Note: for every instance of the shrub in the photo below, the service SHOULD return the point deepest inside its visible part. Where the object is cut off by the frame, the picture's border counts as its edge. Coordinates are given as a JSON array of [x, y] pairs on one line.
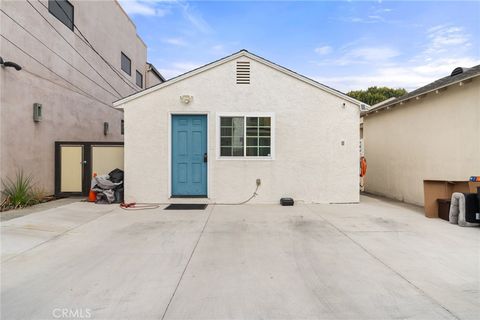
[[19, 192]]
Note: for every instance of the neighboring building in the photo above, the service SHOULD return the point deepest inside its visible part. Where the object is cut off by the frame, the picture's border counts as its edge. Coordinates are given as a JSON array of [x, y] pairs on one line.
[[212, 132], [364, 111], [77, 57], [432, 133], [153, 76]]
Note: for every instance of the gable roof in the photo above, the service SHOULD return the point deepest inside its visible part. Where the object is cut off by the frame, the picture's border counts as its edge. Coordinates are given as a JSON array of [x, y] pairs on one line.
[[468, 73], [236, 55]]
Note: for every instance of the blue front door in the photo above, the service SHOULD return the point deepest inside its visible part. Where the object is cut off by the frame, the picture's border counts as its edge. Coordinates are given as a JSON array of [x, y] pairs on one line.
[[189, 155]]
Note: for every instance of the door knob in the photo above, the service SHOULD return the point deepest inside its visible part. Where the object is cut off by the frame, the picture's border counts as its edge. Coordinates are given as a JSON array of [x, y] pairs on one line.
[[205, 157]]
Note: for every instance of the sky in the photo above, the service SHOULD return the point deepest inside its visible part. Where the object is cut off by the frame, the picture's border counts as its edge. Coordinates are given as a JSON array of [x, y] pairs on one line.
[[348, 45]]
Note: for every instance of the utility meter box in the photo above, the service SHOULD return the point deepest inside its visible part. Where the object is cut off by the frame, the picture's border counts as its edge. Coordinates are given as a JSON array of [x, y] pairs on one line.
[[37, 112]]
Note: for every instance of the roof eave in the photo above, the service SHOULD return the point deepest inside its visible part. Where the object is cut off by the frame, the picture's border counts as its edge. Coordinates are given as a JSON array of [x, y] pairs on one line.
[[399, 100], [119, 103], [176, 79], [306, 79]]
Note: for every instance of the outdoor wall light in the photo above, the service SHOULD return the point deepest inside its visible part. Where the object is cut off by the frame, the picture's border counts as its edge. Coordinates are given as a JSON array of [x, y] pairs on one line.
[[105, 128], [186, 99], [37, 112], [6, 64]]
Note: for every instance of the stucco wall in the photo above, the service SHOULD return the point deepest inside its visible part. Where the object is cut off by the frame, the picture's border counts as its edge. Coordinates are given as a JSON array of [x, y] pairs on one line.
[[436, 137], [310, 163], [67, 113], [151, 78]]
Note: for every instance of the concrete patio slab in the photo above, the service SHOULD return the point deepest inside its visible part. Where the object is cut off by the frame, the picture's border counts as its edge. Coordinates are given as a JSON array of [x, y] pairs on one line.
[[28, 231], [436, 257], [12, 214], [376, 259]]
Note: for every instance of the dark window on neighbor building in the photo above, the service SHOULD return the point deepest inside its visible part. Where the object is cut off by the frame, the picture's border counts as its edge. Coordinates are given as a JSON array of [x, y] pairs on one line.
[[126, 64], [139, 79], [122, 126], [63, 11]]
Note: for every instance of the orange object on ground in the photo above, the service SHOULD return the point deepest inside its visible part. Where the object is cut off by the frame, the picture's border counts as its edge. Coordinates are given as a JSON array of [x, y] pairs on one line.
[[363, 167], [92, 195]]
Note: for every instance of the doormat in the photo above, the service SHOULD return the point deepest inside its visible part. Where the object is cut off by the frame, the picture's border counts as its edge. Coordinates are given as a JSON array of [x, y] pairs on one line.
[[187, 206]]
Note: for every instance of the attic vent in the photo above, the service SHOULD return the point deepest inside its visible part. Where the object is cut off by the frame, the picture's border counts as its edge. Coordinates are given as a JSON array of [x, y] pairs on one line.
[[456, 71], [243, 72]]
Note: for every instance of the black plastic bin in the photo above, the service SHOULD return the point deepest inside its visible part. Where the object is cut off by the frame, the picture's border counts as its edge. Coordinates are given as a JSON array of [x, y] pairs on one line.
[[444, 208]]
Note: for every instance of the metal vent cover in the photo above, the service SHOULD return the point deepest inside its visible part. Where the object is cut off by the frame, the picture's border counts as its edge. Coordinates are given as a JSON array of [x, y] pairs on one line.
[[243, 72], [457, 71]]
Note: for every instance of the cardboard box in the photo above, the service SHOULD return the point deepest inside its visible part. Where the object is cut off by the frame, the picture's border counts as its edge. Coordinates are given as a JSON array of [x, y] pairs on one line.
[[442, 189], [473, 186]]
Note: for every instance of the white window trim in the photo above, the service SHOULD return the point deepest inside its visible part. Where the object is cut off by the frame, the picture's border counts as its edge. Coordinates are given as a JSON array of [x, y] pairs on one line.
[[244, 115]]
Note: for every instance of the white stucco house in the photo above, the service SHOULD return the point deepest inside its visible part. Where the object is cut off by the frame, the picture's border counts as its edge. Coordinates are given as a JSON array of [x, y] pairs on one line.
[[212, 132]]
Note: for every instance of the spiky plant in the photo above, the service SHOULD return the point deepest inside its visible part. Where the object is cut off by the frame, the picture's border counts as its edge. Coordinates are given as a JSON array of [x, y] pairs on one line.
[[18, 192]]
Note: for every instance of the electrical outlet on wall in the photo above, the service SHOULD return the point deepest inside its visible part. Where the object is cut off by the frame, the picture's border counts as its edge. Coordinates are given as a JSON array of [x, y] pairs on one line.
[[259, 182]]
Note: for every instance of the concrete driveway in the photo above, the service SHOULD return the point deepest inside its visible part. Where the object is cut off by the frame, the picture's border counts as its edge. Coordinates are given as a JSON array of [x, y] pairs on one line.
[[374, 260]]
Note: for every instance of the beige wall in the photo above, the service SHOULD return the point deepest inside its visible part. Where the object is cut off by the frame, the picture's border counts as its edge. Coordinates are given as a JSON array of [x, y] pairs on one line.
[[437, 137], [152, 78], [310, 163], [68, 114]]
